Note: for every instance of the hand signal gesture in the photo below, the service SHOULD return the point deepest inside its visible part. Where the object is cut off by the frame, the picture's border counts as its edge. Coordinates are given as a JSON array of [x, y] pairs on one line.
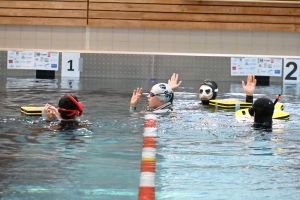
[[173, 81], [51, 112], [136, 96], [250, 87]]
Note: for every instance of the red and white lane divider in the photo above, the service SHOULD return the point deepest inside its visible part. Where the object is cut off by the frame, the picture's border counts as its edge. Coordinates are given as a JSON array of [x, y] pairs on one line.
[[147, 177]]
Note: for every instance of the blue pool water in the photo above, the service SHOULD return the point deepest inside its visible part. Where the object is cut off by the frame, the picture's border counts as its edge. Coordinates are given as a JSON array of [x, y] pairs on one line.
[[202, 153]]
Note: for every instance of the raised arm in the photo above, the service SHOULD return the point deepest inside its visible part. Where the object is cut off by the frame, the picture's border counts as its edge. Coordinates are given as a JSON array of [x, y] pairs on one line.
[[173, 82], [249, 87], [51, 112], [136, 96]]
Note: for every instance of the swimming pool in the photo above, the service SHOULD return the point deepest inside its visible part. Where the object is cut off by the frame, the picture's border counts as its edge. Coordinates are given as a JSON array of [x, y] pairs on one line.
[[202, 153]]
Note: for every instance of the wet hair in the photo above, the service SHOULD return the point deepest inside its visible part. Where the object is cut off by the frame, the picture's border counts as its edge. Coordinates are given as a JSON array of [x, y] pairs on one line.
[[66, 103], [214, 87], [263, 109]]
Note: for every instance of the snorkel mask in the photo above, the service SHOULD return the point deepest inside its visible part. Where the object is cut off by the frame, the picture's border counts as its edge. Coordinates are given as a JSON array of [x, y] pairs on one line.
[[78, 111], [208, 90]]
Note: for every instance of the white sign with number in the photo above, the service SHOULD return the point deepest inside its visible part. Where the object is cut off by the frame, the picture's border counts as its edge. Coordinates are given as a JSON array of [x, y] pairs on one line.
[[291, 73], [70, 64]]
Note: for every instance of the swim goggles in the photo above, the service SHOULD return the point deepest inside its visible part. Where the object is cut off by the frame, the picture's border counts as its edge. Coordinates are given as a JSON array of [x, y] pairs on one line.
[[151, 94]]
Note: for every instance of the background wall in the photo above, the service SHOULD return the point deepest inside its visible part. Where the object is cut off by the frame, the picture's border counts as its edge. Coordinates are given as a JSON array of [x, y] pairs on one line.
[[149, 40]]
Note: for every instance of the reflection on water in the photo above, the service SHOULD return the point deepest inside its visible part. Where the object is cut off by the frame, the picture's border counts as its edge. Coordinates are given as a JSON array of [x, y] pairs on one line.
[[201, 152]]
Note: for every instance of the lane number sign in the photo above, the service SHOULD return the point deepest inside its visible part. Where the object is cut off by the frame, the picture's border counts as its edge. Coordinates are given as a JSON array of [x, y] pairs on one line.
[[70, 64], [291, 70]]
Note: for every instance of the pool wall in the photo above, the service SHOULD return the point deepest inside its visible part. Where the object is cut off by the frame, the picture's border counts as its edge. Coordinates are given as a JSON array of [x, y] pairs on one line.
[[147, 41], [146, 66]]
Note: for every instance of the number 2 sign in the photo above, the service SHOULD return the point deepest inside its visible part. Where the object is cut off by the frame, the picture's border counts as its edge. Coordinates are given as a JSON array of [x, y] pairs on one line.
[[70, 64], [291, 71]]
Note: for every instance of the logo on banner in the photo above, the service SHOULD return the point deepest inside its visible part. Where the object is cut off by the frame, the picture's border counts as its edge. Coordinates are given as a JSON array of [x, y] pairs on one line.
[[53, 65]]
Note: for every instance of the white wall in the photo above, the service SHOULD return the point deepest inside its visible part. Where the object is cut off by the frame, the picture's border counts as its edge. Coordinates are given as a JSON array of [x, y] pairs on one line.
[[149, 40]]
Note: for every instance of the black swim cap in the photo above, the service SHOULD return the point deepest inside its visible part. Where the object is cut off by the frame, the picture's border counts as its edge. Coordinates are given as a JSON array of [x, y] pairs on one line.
[[263, 112]]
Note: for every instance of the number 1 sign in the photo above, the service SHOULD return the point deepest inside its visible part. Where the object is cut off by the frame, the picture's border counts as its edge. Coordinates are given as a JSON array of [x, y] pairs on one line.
[[70, 64], [291, 73]]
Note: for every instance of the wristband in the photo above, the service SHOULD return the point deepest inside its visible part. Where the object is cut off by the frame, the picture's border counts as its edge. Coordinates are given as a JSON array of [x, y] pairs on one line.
[[132, 108]]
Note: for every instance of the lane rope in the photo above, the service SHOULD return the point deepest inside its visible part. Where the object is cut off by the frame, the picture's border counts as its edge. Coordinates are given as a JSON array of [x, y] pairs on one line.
[[148, 161]]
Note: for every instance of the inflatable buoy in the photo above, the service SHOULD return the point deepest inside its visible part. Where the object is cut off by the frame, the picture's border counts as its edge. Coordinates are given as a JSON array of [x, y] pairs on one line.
[[32, 111]]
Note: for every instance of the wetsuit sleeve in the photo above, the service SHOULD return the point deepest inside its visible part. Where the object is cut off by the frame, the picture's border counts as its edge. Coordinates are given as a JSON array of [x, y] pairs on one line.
[[249, 99], [132, 109]]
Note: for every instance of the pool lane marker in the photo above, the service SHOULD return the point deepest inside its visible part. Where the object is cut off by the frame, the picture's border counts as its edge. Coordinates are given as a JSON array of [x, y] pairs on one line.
[[148, 163]]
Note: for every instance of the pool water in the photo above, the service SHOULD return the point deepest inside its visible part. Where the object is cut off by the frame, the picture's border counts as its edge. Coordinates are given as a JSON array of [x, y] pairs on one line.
[[202, 153]]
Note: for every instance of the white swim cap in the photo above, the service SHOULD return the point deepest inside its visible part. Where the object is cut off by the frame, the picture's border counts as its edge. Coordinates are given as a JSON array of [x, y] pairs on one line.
[[163, 91]]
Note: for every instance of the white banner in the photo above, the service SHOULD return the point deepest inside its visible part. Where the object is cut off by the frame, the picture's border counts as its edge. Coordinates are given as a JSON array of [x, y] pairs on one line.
[[34, 60], [260, 66]]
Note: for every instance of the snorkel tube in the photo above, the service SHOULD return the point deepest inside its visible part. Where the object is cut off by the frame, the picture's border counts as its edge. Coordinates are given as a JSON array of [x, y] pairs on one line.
[[277, 99]]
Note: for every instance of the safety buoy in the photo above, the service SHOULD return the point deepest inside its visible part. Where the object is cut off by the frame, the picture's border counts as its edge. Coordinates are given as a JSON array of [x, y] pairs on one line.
[[243, 114]]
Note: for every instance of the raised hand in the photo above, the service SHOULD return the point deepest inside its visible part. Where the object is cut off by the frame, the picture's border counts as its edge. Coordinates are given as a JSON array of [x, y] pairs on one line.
[[51, 112], [173, 81], [250, 87], [136, 96]]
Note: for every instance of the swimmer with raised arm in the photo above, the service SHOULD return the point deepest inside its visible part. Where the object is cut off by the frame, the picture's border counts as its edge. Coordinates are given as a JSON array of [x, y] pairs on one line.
[[262, 109], [160, 98], [69, 108]]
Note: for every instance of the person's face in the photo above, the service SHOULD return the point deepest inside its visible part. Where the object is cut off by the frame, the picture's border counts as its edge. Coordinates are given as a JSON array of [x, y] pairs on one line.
[[205, 92], [154, 101]]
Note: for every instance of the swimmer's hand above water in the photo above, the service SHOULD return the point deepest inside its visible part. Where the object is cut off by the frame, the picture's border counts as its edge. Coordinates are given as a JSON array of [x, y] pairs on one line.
[[173, 82], [136, 96], [51, 112], [250, 86]]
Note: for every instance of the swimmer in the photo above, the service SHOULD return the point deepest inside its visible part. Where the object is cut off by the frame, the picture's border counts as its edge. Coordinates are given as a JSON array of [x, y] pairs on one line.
[[208, 89], [262, 109], [160, 98], [69, 108]]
